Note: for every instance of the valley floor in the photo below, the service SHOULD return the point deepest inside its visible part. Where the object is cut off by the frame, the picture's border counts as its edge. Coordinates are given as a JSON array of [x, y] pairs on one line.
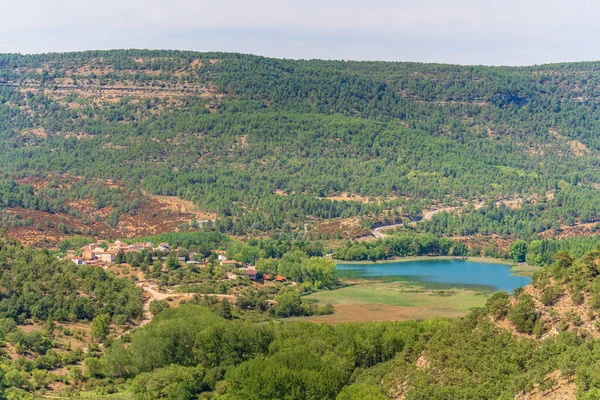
[[394, 301]]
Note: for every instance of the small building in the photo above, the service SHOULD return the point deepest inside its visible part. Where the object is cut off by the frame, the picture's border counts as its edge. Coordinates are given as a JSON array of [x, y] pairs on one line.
[[221, 257], [77, 260], [113, 247], [232, 277], [87, 254], [106, 256], [267, 277], [230, 263], [251, 274], [164, 247], [280, 278], [96, 250]]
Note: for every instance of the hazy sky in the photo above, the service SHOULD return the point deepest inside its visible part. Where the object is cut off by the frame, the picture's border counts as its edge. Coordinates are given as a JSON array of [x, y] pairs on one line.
[[513, 32]]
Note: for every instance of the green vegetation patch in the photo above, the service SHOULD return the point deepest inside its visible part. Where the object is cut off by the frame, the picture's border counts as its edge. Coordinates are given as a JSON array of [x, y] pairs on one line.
[[401, 294]]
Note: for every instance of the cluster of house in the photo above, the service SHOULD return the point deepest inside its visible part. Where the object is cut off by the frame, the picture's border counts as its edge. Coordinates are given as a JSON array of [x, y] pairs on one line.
[[101, 254], [97, 254], [249, 270]]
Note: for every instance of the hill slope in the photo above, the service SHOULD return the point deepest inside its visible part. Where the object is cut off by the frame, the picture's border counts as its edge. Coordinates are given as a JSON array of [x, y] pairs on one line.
[[265, 143]]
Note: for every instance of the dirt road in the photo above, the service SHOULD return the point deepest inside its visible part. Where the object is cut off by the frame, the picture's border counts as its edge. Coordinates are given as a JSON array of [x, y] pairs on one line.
[[152, 290], [428, 215], [154, 294], [379, 232]]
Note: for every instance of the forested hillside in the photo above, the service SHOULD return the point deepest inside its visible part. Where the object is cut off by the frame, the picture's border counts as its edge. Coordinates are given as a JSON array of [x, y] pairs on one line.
[[269, 145], [275, 163]]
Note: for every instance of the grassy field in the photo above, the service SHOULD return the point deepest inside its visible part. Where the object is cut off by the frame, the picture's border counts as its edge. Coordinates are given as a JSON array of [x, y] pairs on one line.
[[525, 270], [401, 294], [395, 301]]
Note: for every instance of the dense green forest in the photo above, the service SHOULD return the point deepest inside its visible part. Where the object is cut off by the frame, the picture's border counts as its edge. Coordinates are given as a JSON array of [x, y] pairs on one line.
[[38, 286], [262, 141]]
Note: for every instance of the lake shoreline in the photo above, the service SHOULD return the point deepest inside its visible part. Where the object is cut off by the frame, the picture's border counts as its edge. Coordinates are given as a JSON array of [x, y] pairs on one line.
[[488, 260], [516, 269]]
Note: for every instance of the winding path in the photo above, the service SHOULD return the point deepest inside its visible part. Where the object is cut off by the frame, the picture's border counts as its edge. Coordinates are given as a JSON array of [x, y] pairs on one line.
[[379, 231], [427, 216], [154, 294]]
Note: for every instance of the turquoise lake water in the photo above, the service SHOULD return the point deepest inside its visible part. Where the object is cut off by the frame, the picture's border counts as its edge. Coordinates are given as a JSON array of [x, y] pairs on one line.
[[440, 274]]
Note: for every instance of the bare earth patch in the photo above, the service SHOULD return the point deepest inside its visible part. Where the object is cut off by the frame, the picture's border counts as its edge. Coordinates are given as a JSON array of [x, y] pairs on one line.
[[557, 314], [344, 227], [177, 204], [360, 199], [564, 389], [39, 132], [578, 148]]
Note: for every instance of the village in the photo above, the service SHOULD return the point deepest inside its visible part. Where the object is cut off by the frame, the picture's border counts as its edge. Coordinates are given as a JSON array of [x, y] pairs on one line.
[[105, 254]]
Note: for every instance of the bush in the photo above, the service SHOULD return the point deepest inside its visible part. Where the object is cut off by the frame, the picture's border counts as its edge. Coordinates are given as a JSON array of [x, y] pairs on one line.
[[156, 306], [550, 295], [172, 382], [361, 391], [523, 314], [577, 298], [497, 305]]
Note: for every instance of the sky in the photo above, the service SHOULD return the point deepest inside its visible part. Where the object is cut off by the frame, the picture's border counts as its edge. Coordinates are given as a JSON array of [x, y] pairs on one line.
[[505, 32]]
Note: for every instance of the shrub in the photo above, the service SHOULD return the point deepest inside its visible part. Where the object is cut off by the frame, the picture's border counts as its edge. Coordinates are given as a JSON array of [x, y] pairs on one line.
[[497, 305], [550, 295], [523, 314]]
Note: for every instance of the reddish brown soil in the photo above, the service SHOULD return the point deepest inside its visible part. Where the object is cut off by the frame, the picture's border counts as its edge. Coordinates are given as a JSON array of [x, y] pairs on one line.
[[154, 216], [348, 228], [580, 229]]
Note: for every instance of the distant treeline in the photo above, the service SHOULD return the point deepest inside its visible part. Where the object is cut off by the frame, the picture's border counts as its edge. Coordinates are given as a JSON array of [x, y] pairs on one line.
[[535, 252], [401, 246]]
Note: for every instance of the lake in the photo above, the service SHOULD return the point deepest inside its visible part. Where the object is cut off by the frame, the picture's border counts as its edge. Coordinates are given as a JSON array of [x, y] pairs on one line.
[[439, 274]]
